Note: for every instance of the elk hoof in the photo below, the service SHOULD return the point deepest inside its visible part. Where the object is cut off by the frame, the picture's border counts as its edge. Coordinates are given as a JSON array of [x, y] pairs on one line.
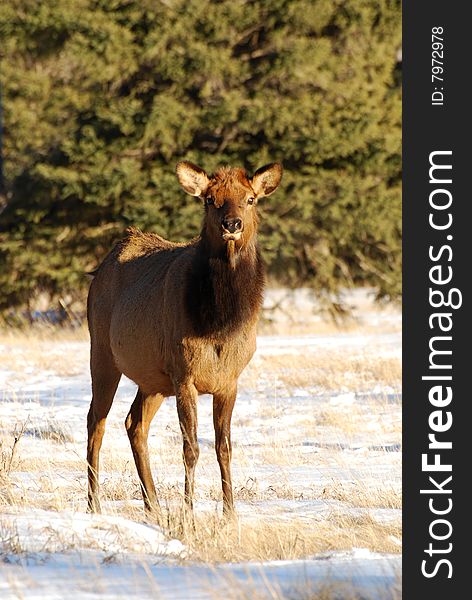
[[93, 506]]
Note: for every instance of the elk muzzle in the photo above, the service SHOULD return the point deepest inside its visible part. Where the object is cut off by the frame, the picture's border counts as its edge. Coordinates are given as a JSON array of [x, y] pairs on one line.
[[232, 228]]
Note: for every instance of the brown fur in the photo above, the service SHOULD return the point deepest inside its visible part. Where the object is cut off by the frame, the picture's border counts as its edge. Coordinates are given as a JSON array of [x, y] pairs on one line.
[[179, 319]]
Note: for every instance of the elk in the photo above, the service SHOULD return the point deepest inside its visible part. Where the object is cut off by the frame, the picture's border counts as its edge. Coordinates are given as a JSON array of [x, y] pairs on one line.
[[179, 319]]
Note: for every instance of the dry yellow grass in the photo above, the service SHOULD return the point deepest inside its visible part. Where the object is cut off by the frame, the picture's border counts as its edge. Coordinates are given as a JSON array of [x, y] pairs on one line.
[[210, 538], [28, 356], [45, 468], [329, 370], [359, 495], [213, 539], [32, 336]]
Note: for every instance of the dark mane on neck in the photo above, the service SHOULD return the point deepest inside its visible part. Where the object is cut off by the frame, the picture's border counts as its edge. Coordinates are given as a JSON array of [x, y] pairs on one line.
[[220, 300]]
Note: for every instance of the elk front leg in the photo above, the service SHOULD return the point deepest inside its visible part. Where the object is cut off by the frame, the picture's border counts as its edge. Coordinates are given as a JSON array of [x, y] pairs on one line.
[[187, 397], [137, 424], [223, 404]]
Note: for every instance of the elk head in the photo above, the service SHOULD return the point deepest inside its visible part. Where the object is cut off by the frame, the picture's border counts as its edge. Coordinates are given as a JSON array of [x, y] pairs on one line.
[[230, 198]]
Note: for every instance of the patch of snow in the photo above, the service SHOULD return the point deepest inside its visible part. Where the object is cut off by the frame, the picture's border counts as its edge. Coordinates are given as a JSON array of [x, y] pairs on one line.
[[343, 399], [37, 530], [73, 555], [371, 576], [388, 344]]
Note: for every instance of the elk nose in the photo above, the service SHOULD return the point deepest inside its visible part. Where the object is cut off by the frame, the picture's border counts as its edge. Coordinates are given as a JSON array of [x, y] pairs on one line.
[[232, 224]]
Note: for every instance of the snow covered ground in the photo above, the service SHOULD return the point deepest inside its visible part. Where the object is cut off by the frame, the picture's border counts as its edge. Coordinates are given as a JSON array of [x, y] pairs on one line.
[[316, 472]]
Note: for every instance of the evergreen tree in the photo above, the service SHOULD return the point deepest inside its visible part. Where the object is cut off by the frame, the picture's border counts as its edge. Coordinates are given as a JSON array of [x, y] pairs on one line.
[[102, 97]]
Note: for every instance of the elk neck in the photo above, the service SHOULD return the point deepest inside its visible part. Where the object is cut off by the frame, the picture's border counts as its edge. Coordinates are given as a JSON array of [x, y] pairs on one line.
[[221, 299]]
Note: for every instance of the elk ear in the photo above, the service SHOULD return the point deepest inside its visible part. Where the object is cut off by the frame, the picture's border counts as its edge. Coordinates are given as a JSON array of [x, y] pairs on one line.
[[266, 179], [193, 179]]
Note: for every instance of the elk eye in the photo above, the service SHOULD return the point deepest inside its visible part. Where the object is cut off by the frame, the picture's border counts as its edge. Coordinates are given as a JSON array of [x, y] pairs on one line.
[[209, 200], [250, 200]]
